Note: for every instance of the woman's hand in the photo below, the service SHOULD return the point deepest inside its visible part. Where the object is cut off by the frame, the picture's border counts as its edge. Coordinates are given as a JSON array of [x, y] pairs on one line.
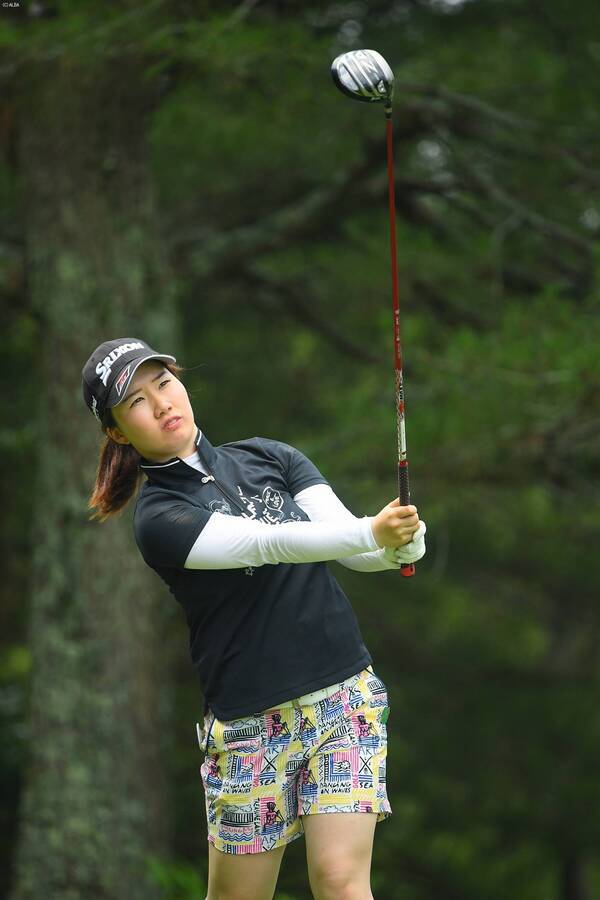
[[395, 525]]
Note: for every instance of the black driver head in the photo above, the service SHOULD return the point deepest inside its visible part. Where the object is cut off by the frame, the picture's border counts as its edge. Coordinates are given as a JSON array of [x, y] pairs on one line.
[[364, 75]]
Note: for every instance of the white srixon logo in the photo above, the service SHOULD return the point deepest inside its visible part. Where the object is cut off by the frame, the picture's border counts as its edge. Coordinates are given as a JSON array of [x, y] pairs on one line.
[[103, 368]]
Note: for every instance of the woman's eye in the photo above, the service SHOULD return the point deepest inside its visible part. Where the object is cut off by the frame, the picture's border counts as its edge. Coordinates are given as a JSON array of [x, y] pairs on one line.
[[135, 401], [166, 381]]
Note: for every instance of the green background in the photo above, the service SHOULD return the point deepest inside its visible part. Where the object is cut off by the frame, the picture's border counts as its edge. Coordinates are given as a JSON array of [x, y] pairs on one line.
[[269, 210]]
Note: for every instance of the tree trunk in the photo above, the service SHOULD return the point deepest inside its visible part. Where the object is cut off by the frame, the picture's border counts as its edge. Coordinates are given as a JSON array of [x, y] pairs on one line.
[[94, 799], [573, 882]]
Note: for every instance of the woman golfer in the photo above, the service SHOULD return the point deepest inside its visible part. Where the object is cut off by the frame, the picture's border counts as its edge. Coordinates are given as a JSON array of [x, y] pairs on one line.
[[293, 735]]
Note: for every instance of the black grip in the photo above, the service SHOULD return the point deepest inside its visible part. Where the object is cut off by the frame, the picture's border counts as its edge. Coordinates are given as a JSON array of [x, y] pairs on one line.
[[403, 486], [406, 569]]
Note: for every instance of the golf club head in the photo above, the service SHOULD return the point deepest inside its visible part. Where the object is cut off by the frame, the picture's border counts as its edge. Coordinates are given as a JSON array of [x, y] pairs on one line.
[[364, 75]]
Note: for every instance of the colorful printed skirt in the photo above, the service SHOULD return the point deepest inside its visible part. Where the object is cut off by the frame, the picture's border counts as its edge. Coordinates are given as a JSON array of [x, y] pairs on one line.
[[261, 773]]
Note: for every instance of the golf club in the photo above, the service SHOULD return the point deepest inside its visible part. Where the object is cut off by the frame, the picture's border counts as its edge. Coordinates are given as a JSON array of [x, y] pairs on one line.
[[365, 75]]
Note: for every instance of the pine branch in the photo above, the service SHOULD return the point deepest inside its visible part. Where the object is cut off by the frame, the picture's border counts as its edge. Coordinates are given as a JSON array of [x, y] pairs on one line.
[[474, 175], [272, 296]]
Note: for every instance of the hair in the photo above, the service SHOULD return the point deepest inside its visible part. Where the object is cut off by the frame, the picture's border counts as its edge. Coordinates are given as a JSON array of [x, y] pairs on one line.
[[119, 473]]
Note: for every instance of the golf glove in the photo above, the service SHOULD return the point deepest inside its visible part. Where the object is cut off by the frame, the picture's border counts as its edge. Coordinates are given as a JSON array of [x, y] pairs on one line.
[[410, 552]]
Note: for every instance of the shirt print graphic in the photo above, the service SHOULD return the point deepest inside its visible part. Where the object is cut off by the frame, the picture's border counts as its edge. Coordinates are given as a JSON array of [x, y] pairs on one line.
[[267, 507], [221, 506]]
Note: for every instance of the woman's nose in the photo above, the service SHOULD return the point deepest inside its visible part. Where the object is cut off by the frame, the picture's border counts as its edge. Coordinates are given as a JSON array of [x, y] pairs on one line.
[[161, 404]]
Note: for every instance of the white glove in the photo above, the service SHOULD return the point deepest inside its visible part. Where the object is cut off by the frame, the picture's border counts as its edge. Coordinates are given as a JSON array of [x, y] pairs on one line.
[[410, 552]]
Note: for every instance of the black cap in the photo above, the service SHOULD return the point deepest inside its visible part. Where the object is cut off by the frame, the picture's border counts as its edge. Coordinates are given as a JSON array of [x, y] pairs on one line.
[[109, 370]]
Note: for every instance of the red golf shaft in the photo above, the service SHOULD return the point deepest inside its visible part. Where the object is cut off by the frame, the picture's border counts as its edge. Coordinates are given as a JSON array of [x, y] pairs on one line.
[[407, 569]]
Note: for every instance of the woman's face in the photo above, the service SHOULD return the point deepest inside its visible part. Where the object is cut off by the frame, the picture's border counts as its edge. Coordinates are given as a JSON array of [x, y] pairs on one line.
[[155, 416]]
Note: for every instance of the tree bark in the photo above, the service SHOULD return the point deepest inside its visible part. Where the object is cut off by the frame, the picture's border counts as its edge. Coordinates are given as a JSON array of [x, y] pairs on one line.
[[94, 803], [573, 882]]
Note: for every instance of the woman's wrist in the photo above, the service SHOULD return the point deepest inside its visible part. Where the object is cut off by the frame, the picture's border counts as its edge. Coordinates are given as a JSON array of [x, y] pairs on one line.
[[370, 533]]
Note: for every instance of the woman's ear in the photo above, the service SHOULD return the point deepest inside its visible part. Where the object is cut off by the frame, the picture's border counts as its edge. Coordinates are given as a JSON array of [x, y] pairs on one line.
[[117, 435]]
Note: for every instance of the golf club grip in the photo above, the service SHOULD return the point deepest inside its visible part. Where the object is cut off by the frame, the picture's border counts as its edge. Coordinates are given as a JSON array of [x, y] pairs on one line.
[[407, 570], [403, 487]]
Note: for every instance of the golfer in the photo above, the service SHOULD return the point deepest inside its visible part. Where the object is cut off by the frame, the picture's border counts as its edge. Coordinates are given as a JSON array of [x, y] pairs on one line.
[[293, 734]]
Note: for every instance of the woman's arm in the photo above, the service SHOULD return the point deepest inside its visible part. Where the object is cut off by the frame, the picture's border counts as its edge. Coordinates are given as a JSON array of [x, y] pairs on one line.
[[235, 542], [321, 504]]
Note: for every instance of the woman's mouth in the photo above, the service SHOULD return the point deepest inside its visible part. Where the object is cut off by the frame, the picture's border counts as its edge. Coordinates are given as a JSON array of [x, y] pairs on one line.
[[173, 423]]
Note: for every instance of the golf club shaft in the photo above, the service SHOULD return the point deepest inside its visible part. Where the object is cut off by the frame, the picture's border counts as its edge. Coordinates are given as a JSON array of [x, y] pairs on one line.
[[407, 569]]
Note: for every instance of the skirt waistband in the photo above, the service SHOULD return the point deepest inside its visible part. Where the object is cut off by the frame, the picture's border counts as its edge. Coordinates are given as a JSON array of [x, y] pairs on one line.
[[316, 696]]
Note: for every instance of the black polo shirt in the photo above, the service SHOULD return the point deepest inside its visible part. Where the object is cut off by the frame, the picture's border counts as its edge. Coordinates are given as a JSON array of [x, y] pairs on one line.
[[260, 635]]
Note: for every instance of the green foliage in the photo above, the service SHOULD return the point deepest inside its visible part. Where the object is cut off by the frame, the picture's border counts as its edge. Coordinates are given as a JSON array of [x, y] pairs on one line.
[[15, 663], [177, 880], [490, 653]]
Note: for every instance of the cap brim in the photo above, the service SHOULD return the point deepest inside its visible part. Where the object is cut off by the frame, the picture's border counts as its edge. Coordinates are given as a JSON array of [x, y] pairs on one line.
[[119, 389]]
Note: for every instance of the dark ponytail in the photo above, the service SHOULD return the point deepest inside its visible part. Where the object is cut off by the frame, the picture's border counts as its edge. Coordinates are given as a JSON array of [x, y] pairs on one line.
[[116, 479], [119, 473]]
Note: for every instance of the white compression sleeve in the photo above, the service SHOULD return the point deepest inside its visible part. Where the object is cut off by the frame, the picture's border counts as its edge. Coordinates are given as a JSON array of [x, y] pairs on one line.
[[321, 504], [234, 542]]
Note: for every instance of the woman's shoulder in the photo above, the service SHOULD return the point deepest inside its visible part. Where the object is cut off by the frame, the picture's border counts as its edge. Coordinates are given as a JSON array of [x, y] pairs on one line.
[[152, 496], [257, 445]]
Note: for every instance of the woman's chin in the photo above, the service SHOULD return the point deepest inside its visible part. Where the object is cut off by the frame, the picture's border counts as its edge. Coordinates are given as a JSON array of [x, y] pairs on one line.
[[180, 439]]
